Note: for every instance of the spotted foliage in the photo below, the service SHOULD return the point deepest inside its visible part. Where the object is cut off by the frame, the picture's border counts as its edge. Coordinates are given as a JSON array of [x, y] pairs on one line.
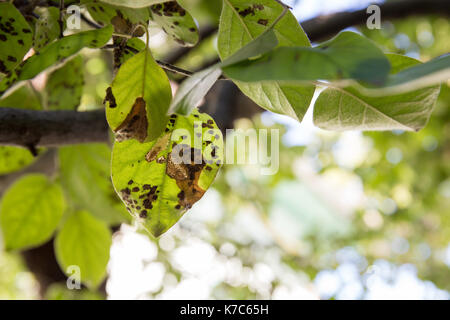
[[160, 180], [54, 54], [124, 20], [176, 22], [16, 37]]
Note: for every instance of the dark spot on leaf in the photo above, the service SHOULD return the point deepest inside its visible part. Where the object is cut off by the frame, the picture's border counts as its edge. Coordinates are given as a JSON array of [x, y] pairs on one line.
[[143, 214], [110, 98], [263, 22]]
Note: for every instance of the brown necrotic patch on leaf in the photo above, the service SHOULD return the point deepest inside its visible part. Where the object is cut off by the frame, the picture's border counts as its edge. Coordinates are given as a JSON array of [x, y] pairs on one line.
[[135, 124], [186, 175]]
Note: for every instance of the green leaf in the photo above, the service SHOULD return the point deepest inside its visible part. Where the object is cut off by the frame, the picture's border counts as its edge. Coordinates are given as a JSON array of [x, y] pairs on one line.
[[242, 21], [56, 53], [84, 241], [139, 99], [416, 77], [348, 109], [347, 56], [176, 22], [65, 86], [14, 158], [85, 176], [16, 37], [192, 90], [133, 3], [154, 183], [22, 98], [30, 211], [47, 27], [122, 18]]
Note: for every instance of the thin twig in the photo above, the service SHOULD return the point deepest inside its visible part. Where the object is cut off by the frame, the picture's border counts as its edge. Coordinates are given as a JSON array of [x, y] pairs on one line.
[[162, 64], [89, 22], [60, 21], [174, 69]]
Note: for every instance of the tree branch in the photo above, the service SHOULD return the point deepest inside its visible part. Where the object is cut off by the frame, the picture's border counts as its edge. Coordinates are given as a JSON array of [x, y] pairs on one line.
[[32, 128], [323, 27]]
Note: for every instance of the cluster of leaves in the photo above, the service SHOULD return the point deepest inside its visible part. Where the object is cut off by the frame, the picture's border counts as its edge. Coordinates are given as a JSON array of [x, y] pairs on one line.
[[263, 50]]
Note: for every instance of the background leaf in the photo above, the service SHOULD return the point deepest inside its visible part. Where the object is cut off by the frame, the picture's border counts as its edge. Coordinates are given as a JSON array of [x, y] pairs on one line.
[[16, 37], [176, 22], [242, 21], [157, 191], [123, 19], [47, 27], [55, 53], [84, 241], [347, 109], [23, 98], [30, 211], [85, 176], [14, 158], [347, 56], [127, 88], [65, 86]]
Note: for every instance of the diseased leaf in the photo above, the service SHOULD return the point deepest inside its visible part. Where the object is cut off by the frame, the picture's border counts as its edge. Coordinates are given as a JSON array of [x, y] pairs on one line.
[[176, 22], [348, 109], [47, 27], [65, 86], [160, 180], [56, 52], [140, 90], [84, 242], [124, 19], [133, 3], [242, 21], [347, 56], [16, 37], [14, 158], [192, 90], [23, 98], [85, 176], [30, 211]]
